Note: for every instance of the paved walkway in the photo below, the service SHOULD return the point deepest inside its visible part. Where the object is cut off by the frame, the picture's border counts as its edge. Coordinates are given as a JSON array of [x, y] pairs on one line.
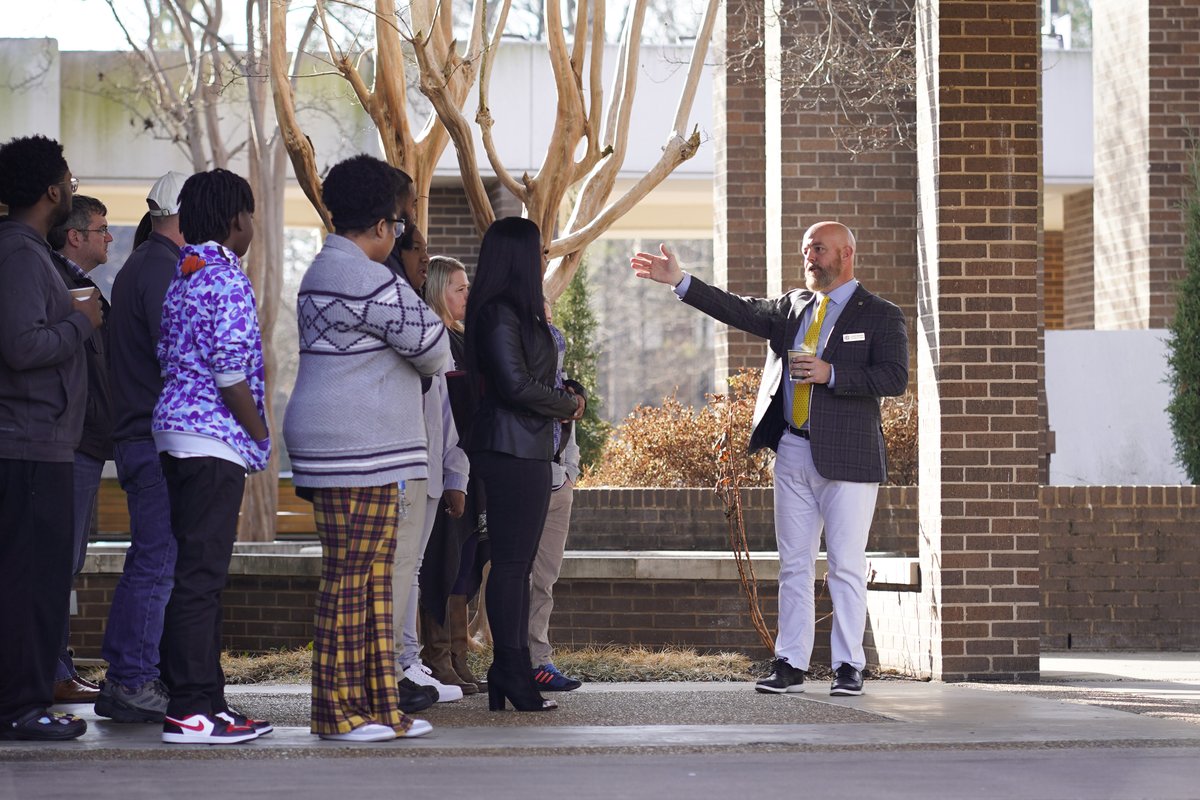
[[1128, 715]]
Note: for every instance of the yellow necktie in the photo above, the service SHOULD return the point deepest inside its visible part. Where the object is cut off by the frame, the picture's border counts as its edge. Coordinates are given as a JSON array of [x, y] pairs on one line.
[[803, 391]]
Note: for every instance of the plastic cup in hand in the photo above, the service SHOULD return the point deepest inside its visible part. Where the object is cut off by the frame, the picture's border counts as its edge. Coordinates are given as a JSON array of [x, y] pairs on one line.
[[794, 368]]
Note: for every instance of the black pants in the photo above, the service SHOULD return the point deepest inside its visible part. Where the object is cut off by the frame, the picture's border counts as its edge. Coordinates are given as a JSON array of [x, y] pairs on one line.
[[36, 524], [205, 495], [518, 495]]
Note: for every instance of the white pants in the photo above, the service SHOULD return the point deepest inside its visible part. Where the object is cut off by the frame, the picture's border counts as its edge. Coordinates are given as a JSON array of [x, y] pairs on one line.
[[409, 551], [804, 501]]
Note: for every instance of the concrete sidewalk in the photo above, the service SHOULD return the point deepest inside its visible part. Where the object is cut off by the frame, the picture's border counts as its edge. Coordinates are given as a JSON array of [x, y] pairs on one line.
[[1088, 700], [1098, 727]]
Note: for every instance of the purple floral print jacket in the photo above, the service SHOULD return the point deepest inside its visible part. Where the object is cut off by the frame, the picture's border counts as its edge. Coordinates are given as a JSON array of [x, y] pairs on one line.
[[209, 327]]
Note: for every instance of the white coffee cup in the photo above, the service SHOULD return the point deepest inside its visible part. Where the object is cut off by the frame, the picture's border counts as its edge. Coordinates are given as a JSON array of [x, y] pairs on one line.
[[82, 294]]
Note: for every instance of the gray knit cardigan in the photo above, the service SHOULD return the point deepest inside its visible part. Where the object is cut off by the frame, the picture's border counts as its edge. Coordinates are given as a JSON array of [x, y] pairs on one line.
[[366, 339]]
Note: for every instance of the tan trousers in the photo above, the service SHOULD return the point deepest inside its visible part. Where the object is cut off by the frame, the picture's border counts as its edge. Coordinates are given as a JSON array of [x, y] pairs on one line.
[[408, 554], [546, 567]]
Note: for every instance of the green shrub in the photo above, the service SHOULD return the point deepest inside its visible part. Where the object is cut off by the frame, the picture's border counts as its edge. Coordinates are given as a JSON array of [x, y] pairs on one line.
[[1183, 357]]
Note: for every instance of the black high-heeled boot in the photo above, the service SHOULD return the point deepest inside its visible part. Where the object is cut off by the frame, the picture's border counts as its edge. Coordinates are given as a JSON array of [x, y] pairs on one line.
[[509, 678]]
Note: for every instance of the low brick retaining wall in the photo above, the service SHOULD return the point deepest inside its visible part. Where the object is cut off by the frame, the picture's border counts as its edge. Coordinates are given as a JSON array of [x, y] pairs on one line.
[[691, 599], [1120, 569]]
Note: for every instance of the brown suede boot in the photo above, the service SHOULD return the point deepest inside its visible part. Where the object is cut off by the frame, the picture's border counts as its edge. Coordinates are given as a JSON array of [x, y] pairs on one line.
[[456, 623], [435, 652]]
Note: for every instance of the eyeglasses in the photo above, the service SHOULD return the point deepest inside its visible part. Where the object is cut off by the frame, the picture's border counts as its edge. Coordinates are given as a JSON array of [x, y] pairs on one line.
[[398, 227], [102, 229], [74, 184]]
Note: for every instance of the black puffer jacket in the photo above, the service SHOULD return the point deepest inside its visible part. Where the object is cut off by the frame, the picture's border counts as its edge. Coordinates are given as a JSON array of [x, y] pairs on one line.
[[519, 404]]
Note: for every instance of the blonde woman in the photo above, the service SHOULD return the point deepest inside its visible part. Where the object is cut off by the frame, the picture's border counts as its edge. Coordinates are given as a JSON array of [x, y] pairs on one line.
[[452, 570]]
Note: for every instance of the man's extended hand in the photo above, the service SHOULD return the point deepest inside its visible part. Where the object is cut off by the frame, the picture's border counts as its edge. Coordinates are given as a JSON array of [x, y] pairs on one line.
[[661, 269]]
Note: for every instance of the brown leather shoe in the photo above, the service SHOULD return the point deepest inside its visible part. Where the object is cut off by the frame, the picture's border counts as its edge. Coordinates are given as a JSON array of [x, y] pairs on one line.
[[75, 690]]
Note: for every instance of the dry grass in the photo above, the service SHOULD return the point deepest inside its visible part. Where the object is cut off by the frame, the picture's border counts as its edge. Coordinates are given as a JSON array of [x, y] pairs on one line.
[[611, 664], [599, 664], [280, 666], [602, 664]]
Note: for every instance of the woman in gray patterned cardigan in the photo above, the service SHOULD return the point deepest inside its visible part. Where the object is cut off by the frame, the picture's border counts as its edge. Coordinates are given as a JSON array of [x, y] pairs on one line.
[[354, 430]]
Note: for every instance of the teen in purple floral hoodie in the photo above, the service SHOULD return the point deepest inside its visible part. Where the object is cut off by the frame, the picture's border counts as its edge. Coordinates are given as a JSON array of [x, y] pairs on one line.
[[209, 429], [209, 339]]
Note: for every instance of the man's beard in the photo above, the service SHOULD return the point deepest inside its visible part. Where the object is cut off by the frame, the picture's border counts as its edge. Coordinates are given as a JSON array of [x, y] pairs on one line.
[[61, 211], [819, 282]]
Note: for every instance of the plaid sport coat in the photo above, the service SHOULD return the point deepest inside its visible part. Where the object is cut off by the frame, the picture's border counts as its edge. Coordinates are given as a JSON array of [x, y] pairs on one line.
[[845, 428]]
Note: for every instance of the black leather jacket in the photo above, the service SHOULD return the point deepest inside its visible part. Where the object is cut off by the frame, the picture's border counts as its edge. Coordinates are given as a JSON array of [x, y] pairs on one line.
[[519, 404]]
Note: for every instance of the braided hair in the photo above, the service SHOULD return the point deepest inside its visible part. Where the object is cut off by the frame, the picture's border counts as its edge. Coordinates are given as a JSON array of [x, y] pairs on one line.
[[209, 202]]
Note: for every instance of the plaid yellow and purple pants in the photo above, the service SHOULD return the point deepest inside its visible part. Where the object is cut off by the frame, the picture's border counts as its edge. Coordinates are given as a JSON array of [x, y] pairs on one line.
[[353, 668]]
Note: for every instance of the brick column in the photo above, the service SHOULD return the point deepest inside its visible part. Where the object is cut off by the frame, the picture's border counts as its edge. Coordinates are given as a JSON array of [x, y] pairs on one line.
[[814, 177], [1079, 262], [739, 182], [1147, 81], [978, 74]]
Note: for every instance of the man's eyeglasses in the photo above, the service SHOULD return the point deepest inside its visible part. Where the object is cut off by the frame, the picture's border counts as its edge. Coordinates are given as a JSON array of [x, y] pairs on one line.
[[74, 184], [398, 227], [103, 229]]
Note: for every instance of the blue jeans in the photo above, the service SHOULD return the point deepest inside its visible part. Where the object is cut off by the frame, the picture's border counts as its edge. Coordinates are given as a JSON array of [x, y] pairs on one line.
[[135, 619], [87, 482]]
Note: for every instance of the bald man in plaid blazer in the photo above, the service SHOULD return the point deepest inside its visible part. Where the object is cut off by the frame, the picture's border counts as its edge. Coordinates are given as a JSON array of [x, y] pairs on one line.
[[820, 414]]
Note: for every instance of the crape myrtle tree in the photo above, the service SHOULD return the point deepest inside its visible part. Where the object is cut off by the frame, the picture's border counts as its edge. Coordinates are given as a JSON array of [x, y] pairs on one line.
[[590, 133], [192, 81]]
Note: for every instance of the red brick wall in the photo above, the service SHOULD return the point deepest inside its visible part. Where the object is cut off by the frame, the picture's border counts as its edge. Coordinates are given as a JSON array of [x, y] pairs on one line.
[[1147, 81], [1079, 282], [873, 193], [1052, 280], [694, 519], [1120, 567]]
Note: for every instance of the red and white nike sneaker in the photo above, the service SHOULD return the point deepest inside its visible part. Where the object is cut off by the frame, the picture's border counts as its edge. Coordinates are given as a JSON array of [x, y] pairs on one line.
[[234, 717], [203, 729]]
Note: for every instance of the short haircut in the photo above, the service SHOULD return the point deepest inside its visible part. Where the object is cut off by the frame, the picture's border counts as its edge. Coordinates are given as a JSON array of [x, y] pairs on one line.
[[209, 202], [361, 191], [28, 166], [441, 268], [82, 209]]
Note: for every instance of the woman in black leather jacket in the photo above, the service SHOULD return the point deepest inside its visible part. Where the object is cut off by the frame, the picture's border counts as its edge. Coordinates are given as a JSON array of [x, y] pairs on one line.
[[511, 357]]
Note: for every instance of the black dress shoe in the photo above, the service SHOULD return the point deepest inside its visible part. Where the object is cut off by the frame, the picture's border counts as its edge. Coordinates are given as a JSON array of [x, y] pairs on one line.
[[847, 681], [784, 678], [75, 690]]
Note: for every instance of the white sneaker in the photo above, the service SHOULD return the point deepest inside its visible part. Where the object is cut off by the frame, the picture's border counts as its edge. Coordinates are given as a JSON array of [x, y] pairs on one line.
[[419, 728], [367, 732], [420, 674]]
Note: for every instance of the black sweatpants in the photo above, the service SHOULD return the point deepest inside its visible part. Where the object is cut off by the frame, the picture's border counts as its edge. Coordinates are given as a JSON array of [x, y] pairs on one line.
[[36, 538], [205, 494]]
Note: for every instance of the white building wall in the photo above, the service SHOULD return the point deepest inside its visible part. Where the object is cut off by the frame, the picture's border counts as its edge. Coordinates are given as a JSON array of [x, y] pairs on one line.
[[1107, 396]]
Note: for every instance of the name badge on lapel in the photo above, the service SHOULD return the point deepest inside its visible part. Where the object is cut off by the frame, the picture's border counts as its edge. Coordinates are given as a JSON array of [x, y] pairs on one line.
[[854, 337]]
